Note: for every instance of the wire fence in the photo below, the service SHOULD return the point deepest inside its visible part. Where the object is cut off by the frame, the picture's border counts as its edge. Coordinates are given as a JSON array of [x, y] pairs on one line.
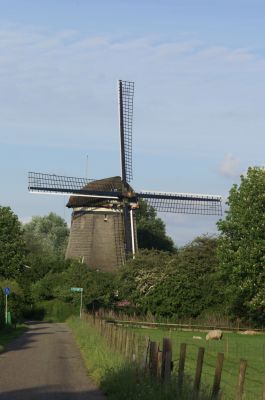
[[214, 368]]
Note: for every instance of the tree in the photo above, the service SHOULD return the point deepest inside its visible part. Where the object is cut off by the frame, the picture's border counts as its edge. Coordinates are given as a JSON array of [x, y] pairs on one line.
[[47, 235], [12, 245], [151, 230], [46, 240], [182, 284], [242, 247], [98, 286]]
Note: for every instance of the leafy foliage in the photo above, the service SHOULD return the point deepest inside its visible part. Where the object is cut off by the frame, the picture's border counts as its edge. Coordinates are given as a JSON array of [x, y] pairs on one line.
[[46, 235], [46, 239], [181, 285], [242, 247], [2, 307], [16, 299], [12, 245], [98, 286], [151, 230]]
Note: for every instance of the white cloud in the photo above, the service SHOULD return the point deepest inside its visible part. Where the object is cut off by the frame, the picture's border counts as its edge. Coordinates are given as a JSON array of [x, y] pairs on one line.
[[229, 167]]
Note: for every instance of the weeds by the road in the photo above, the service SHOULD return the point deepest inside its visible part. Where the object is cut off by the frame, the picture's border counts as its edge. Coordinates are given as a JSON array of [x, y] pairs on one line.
[[98, 357], [118, 378]]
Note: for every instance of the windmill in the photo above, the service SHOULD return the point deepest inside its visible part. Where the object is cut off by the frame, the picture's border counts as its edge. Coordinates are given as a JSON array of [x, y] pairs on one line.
[[103, 227]]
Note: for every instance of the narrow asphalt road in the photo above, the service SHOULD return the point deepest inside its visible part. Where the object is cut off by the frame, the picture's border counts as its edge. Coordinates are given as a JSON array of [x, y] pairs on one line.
[[45, 364]]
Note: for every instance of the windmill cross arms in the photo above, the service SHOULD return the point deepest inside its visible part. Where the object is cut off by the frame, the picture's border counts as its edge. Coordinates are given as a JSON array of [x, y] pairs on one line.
[[125, 94], [65, 185], [184, 203]]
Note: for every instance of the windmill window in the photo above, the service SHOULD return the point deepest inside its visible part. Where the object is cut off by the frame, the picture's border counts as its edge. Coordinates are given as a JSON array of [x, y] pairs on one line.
[[105, 218]]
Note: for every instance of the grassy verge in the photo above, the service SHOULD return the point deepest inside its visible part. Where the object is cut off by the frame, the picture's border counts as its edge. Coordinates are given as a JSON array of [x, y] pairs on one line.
[[7, 334], [98, 357], [117, 377]]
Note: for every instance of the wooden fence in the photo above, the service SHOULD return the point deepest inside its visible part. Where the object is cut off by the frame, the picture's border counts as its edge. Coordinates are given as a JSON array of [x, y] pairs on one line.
[[158, 362]]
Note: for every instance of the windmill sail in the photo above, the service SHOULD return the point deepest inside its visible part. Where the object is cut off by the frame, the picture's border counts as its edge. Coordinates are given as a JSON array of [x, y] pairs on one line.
[[126, 92], [185, 203], [65, 185]]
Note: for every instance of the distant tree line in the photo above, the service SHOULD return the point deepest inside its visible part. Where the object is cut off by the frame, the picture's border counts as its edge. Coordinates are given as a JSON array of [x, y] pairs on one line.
[[208, 276]]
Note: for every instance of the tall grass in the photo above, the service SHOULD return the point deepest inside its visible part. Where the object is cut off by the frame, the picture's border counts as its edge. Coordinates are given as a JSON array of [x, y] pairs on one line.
[[119, 378]]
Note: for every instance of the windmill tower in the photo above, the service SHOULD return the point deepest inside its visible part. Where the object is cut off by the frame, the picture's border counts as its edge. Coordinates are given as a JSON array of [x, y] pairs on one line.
[[103, 229]]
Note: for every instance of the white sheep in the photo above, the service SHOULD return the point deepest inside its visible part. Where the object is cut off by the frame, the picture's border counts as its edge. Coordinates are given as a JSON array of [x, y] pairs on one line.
[[215, 334]]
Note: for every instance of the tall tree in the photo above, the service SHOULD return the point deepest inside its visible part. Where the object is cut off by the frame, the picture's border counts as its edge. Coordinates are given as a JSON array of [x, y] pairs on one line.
[[12, 245], [47, 234], [151, 230], [242, 246], [46, 239]]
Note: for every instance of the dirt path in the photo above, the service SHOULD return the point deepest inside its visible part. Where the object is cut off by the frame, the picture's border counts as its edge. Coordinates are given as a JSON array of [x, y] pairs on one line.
[[44, 363]]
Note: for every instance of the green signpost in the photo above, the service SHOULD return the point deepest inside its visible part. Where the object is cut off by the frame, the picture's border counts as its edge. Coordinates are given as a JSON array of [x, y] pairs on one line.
[[80, 290]]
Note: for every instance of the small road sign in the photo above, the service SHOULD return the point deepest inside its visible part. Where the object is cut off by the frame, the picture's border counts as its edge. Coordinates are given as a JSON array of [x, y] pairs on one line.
[[76, 289], [7, 291]]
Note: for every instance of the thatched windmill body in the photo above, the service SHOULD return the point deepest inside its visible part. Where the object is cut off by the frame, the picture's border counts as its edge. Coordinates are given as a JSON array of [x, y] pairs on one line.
[[103, 229]]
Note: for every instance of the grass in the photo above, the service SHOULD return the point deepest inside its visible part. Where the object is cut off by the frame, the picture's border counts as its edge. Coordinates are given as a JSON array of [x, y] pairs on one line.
[[234, 346], [119, 379], [98, 357], [7, 334]]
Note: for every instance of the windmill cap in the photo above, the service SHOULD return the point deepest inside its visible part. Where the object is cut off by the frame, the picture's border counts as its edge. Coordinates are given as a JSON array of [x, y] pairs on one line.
[[112, 184]]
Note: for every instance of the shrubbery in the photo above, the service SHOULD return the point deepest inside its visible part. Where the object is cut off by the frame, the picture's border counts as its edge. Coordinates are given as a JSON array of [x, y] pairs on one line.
[[183, 284], [2, 307]]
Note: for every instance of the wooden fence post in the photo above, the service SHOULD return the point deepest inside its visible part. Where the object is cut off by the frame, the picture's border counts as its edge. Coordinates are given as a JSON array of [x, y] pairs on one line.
[[168, 364], [159, 362], [166, 359], [146, 351], [241, 379], [198, 373], [136, 348], [263, 391], [217, 375], [133, 352], [123, 342], [153, 359], [127, 344], [182, 359]]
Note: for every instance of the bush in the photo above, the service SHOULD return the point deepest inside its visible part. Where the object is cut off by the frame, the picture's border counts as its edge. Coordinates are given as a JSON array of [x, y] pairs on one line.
[[2, 308], [56, 310]]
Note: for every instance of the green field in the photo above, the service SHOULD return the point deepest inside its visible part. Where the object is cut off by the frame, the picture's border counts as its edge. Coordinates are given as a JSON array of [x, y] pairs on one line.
[[234, 346]]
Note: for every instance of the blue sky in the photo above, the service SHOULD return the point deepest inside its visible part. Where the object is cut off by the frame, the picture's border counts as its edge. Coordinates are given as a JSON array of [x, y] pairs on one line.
[[199, 72]]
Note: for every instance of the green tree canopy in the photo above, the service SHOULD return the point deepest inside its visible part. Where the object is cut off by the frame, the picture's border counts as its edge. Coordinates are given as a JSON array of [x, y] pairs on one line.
[[98, 286], [151, 230], [242, 246], [183, 284], [46, 240], [47, 234], [12, 245]]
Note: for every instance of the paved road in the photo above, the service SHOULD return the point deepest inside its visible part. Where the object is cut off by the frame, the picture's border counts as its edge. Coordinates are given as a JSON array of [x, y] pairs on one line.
[[45, 364]]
